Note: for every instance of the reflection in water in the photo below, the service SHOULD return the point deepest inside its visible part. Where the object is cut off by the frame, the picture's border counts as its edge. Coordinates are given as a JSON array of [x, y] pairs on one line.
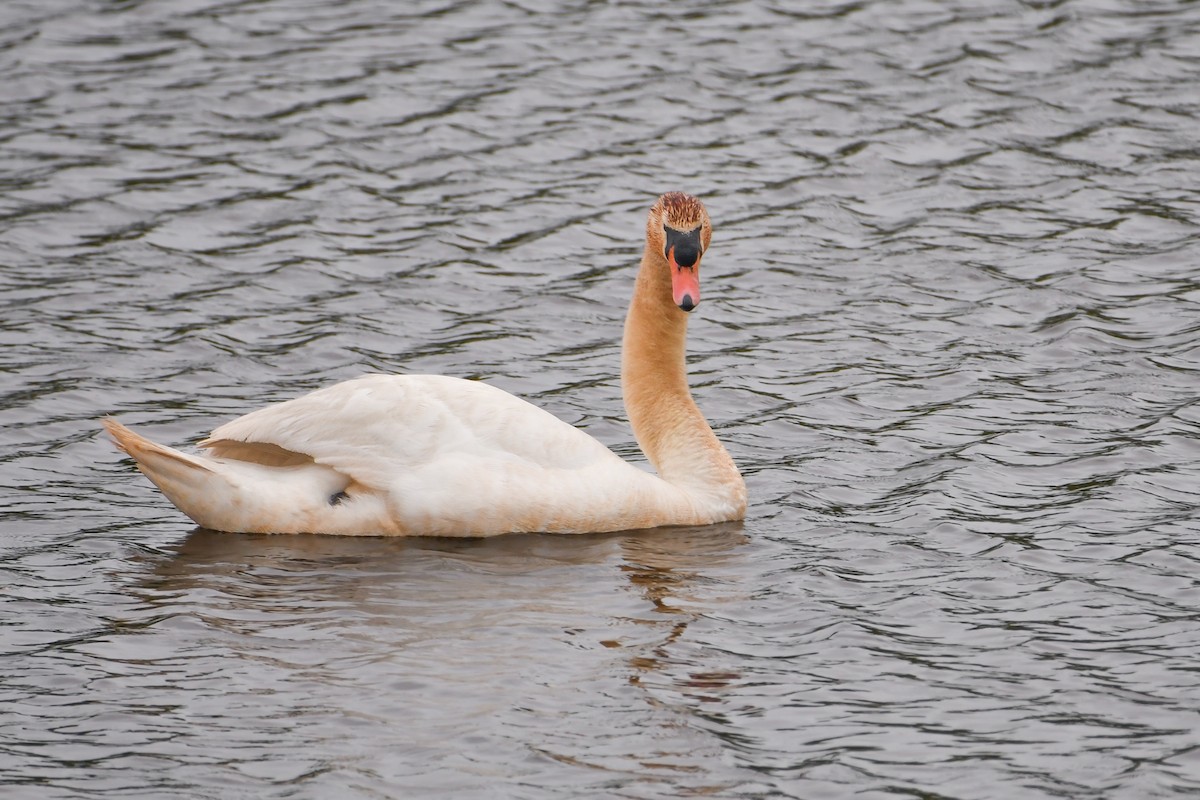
[[669, 569], [667, 565], [449, 627]]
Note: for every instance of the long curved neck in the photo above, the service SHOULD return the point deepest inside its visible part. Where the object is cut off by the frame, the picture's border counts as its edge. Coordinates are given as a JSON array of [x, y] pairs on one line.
[[669, 427]]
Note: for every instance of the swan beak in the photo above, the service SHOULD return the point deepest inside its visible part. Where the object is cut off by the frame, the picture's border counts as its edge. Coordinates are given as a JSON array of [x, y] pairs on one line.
[[685, 283]]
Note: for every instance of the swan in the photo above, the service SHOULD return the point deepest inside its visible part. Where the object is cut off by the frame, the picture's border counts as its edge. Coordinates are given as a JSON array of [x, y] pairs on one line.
[[429, 455]]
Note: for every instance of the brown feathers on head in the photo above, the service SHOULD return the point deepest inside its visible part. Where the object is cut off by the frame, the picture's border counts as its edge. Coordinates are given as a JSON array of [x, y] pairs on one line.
[[681, 212]]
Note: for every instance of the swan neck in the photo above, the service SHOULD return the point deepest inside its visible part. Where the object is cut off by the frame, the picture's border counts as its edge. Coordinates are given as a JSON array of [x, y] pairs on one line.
[[669, 427]]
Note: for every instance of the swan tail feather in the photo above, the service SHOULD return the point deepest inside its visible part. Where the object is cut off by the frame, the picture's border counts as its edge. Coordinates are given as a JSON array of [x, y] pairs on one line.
[[150, 454], [227, 494], [187, 481]]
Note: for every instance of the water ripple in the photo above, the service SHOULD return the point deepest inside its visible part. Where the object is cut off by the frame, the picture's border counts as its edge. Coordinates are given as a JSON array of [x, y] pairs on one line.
[[950, 333]]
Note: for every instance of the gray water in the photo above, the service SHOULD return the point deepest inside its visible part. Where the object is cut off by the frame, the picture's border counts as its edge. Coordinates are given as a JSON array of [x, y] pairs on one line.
[[951, 333]]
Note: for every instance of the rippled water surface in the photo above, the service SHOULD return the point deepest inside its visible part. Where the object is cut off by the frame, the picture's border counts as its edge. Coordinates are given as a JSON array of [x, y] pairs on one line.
[[951, 333]]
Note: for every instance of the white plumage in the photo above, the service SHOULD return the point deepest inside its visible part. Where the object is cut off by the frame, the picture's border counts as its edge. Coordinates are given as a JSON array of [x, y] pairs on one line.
[[435, 455]]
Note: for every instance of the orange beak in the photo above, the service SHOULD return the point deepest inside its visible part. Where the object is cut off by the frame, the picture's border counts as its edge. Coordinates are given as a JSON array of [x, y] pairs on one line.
[[685, 283]]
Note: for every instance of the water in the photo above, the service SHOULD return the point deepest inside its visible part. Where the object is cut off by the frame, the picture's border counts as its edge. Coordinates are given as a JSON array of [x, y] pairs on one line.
[[950, 332]]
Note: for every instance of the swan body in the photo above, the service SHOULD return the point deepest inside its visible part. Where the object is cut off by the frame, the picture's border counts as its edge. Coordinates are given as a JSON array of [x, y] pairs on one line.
[[433, 455]]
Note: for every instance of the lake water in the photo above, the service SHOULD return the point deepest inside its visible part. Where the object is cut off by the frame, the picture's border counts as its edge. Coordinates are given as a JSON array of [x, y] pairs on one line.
[[951, 333]]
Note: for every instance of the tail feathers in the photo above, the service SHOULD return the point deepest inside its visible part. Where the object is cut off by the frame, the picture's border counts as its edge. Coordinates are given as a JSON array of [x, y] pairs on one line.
[[182, 478], [154, 459], [230, 495]]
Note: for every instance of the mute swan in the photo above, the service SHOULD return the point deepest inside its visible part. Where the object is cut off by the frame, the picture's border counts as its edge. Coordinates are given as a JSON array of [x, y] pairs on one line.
[[405, 455]]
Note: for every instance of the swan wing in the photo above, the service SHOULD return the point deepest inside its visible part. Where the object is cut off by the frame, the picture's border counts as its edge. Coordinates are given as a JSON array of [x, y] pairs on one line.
[[377, 427]]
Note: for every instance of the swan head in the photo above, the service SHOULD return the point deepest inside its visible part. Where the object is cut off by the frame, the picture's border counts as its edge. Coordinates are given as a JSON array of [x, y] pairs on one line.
[[679, 228]]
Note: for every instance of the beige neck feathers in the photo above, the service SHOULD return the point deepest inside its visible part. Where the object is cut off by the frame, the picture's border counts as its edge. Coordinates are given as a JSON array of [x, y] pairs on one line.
[[669, 427]]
